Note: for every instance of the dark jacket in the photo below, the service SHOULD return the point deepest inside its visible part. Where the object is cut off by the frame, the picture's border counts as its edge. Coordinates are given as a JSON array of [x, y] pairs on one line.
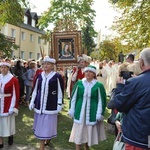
[[134, 102], [48, 93]]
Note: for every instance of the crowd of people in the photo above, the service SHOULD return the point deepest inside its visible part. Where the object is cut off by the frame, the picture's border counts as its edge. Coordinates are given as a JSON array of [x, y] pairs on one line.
[[41, 86]]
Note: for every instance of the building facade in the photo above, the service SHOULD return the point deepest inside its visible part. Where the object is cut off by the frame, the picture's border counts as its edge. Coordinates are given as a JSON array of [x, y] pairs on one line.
[[27, 37]]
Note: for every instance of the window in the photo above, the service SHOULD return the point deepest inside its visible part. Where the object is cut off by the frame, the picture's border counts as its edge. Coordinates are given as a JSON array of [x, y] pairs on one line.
[[12, 32], [45, 42], [38, 56], [22, 36], [39, 40], [25, 19], [12, 53], [30, 55], [31, 37], [22, 54], [33, 23]]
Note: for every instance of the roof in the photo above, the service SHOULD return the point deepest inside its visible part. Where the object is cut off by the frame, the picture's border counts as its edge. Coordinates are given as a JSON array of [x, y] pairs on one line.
[[34, 29]]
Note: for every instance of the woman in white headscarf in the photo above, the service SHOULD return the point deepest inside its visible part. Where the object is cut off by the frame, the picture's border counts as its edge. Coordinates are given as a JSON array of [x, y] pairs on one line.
[[87, 107]]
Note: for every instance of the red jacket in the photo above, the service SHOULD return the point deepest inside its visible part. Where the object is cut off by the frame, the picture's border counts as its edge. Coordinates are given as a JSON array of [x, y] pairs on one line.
[[10, 94]]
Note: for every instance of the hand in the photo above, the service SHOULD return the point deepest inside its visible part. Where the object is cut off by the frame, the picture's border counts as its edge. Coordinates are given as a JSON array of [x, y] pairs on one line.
[[118, 125], [59, 108], [10, 112], [31, 106], [120, 80], [100, 118], [70, 114], [133, 75]]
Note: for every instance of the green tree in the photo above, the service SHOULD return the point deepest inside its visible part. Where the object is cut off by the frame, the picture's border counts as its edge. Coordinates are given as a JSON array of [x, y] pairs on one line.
[[88, 39], [6, 45], [109, 49], [79, 11], [133, 25], [10, 12]]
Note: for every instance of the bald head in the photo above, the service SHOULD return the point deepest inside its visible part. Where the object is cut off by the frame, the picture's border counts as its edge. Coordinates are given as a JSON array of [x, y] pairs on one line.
[[145, 56]]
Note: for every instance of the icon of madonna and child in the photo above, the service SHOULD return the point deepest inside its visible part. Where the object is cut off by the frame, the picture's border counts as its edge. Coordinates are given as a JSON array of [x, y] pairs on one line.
[[66, 52]]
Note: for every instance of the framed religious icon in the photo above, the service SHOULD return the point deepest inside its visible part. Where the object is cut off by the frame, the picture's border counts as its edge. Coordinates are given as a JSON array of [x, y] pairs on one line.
[[66, 46]]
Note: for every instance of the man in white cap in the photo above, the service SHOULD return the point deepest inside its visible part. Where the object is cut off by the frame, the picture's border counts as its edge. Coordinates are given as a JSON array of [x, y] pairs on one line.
[[77, 73]]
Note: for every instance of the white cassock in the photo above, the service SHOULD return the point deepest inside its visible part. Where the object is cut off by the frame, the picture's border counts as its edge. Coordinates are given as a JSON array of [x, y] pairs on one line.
[[114, 75], [107, 68], [109, 82], [102, 78], [69, 75]]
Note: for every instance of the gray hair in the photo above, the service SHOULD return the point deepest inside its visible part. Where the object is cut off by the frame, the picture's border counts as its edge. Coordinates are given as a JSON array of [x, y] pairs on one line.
[[145, 55]]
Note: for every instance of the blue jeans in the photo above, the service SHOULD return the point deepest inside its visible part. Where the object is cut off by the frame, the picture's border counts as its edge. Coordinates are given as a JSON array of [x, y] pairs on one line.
[[28, 93]]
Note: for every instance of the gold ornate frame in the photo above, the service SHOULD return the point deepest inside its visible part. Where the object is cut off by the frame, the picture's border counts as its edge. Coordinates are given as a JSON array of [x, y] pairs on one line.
[[58, 42]]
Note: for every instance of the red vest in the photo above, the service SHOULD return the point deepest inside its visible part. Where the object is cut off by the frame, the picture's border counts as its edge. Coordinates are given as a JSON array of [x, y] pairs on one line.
[[80, 76]]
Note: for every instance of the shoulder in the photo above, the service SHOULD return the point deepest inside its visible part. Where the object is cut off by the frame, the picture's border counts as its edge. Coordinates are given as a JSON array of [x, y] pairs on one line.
[[99, 84], [74, 69], [14, 79], [28, 71], [78, 83], [39, 70], [57, 74]]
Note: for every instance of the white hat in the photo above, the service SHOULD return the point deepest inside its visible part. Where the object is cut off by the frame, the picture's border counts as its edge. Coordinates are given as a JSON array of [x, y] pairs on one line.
[[82, 57], [4, 63], [89, 59], [48, 59], [90, 68]]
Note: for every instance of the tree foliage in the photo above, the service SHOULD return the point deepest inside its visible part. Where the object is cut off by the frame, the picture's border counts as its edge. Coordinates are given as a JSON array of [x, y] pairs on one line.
[[110, 49], [87, 38], [10, 12], [133, 25], [79, 11], [6, 45]]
